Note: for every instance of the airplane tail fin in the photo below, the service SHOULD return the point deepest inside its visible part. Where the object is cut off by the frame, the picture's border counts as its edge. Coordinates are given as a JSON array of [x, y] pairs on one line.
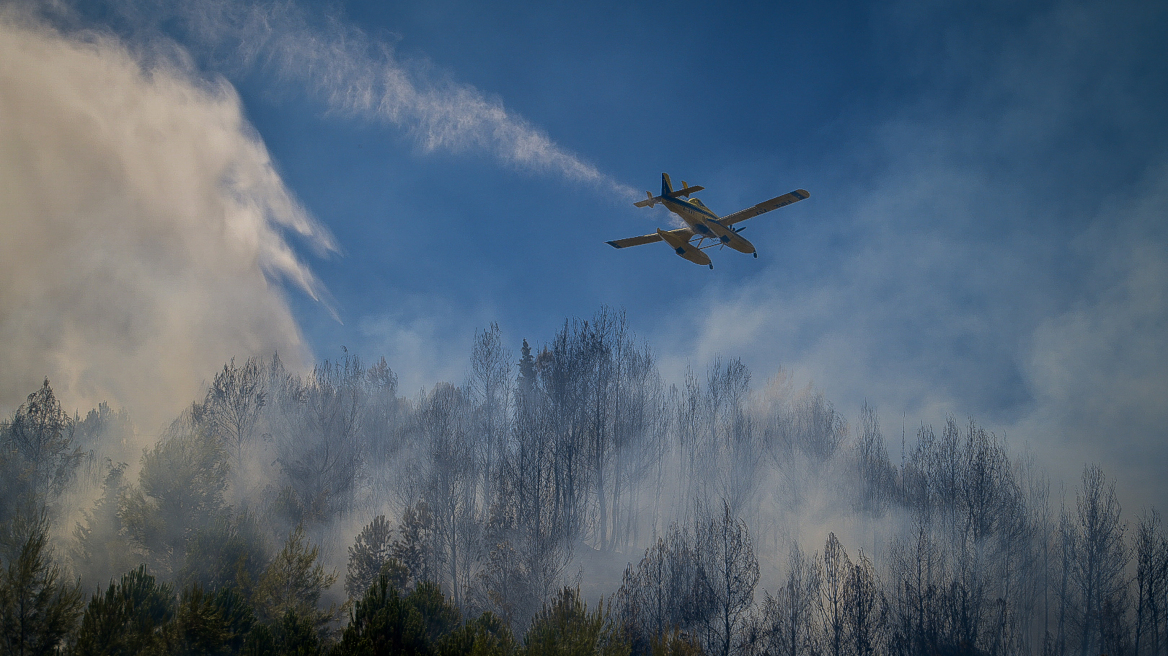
[[666, 185], [667, 192]]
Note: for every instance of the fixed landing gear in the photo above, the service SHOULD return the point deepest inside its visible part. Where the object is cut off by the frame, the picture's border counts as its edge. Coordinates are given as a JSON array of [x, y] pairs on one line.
[[711, 266], [756, 255]]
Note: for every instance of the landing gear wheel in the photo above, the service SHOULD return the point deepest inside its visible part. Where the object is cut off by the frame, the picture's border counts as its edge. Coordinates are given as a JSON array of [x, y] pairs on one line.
[[711, 266], [756, 256]]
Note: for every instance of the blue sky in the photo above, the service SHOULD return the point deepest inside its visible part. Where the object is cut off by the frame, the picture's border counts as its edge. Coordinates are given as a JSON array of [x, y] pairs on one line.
[[986, 233]]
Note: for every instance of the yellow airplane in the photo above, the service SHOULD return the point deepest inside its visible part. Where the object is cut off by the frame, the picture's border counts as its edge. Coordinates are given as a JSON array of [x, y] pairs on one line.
[[702, 223]]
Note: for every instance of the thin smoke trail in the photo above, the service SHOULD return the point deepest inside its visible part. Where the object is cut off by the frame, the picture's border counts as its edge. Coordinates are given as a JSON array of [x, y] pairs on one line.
[[359, 76]]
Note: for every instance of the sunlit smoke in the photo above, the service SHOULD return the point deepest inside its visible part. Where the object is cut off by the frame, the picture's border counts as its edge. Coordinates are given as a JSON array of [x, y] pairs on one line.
[[144, 226]]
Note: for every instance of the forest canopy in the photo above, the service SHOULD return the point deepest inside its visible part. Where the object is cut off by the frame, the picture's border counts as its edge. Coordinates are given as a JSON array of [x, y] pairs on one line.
[[561, 499]]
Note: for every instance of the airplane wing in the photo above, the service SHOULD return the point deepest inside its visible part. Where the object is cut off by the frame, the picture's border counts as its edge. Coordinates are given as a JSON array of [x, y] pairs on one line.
[[648, 239], [764, 207]]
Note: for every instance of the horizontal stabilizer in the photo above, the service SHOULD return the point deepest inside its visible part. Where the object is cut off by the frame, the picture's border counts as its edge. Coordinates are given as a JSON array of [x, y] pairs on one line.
[[650, 201]]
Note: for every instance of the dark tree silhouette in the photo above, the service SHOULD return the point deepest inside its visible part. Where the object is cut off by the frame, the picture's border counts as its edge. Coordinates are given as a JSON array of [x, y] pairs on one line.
[[789, 616], [727, 556], [1098, 560], [180, 491], [38, 606], [369, 553], [129, 618], [1151, 584], [38, 458]]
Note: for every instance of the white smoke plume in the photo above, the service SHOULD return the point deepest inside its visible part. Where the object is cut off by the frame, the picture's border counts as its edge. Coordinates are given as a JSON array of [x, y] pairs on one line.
[[143, 226], [145, 219]]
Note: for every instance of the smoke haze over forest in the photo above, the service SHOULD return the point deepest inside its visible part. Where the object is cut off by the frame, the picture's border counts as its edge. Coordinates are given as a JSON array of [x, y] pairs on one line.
[[986, 235], [367, 210]]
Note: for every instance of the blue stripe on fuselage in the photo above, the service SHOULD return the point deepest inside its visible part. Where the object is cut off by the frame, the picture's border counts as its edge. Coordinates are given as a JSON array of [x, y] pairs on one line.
[[670, 202]]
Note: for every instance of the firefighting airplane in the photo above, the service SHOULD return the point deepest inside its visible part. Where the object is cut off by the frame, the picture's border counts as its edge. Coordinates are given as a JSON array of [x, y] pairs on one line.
[[703, 223]]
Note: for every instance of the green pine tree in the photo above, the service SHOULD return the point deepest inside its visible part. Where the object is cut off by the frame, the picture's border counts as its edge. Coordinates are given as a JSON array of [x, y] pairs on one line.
[[369, 553], [485, 636], [293, 581], [101, 551], [38, 608], [230, 552], [211, 625], [131, 617], [383, 622], [566, 627], [291, 635], [180, 491]]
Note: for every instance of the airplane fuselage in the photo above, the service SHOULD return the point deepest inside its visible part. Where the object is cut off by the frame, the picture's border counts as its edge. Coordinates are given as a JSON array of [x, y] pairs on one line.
[[701, 223], [704, 223]]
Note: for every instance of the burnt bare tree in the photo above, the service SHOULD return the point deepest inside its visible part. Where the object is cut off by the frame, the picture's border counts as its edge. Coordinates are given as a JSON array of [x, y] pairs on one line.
[[738, 453], [320, 451], [865, 609], [1098, 557], [726, 553], [669, 590], [818, 430], [1151, 585], [382, 418], [525, 545], [567, 380], [234, 403], [490, 388], [448, 483], [640, 439], [876, 478], [918, 571], [974, 508], [789, 619], [832, 604]]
